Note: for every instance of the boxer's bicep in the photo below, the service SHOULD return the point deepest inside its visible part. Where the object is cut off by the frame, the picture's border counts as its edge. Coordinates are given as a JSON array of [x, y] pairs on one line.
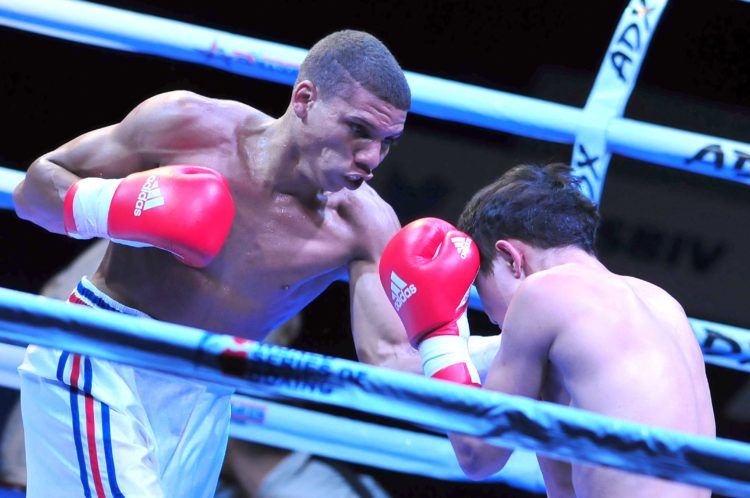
[[517, 369], [379, 336], [40, 196], [152, 130], [113, 151], [100, 152]]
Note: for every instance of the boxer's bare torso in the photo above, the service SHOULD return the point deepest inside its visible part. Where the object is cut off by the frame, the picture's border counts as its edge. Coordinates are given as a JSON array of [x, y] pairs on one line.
[[288, 241], [579, 335], [631, 355]]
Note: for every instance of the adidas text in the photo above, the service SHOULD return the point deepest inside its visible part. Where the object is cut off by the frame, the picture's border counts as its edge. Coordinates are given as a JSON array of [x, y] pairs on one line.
[[149, 196], [400, 291], [402, 296]]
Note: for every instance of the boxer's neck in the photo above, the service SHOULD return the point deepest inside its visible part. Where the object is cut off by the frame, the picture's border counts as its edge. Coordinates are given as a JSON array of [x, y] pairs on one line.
[[284, 169], [536, 259]]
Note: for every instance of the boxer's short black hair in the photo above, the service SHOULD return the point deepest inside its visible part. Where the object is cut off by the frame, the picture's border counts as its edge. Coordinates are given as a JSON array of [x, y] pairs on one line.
[[341, 59], [539, 205]]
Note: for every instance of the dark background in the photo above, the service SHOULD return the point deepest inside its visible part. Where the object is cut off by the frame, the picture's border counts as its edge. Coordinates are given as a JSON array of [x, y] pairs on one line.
[[695, 77]]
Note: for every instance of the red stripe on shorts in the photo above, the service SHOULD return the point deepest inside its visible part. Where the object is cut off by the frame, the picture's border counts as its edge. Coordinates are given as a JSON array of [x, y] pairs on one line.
[[90, 416], [91, 436], [73, 298]]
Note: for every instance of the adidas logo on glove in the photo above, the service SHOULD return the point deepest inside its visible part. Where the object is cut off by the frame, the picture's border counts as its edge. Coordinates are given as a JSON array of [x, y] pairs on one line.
[[400, 291], [463, 244], [149, 196]]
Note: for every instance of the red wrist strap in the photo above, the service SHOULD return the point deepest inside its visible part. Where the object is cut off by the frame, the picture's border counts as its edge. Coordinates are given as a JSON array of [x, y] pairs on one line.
[[68, 215]]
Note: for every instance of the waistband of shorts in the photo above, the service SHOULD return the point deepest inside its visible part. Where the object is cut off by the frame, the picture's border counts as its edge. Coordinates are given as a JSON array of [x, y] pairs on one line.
[[88, 294]]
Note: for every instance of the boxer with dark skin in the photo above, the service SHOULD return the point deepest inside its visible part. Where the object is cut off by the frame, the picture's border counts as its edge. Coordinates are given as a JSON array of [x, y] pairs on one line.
[[305, 215], [246, 219]]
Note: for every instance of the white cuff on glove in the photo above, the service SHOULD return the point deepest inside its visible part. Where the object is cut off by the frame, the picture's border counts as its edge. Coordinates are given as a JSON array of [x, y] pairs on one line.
[[91, 202], [443, 351]]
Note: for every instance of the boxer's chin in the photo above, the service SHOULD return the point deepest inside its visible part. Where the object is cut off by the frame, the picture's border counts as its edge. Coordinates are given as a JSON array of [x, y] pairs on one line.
[[340, 183]]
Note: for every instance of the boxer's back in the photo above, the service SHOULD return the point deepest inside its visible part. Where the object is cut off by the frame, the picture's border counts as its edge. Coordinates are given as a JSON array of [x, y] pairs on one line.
[[626, 350]]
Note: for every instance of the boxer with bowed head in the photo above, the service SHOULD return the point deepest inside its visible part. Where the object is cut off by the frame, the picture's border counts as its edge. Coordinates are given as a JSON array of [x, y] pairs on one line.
[[246, 219], [575, 333]]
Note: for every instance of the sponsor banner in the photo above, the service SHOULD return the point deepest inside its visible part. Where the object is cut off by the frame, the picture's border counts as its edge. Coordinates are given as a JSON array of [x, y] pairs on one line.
[[612, 88], [622, 63], [723, 345], [280, 368], [590, 162], [688, 151]]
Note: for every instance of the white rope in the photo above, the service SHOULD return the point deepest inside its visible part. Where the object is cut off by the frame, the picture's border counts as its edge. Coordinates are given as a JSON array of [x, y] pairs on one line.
[[267, 370], [364, 443]]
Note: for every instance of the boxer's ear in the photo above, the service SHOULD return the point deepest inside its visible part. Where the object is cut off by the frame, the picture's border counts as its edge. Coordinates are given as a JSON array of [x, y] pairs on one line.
[[512, 256], [304, 95]]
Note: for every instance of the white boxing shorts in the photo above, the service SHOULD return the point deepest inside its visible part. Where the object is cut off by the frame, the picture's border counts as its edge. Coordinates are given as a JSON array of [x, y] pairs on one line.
[[97, 428]]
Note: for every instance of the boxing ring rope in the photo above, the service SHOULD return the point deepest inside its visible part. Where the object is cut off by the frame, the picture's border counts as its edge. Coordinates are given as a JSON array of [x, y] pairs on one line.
[[612, 88], [9, 179], [364, 443], [278, 425], [260, 369]]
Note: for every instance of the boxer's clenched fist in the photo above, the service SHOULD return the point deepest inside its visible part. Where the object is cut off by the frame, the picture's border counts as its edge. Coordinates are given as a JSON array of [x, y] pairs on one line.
[[427, 269], [186, 210]]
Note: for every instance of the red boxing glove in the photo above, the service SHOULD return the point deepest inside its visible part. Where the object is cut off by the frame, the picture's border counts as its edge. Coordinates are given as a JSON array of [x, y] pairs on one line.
[[186, 210], [427, 269]]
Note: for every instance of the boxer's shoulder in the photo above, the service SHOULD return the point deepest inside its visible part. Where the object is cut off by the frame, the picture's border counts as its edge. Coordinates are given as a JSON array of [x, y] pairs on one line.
[[558, 293], [569, 281], [371, 220], [366, 210], [187, 117], [652, 293], [571, 293], [185, 102]]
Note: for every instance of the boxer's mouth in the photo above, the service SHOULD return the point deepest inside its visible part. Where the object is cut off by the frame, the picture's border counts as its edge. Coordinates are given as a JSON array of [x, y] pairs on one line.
[[354, 180]]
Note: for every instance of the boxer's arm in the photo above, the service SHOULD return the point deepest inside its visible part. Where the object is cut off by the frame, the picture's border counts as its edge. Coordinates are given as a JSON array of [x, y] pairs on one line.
[[379, 336], [518, 369], [387, 344], [114, 151]]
